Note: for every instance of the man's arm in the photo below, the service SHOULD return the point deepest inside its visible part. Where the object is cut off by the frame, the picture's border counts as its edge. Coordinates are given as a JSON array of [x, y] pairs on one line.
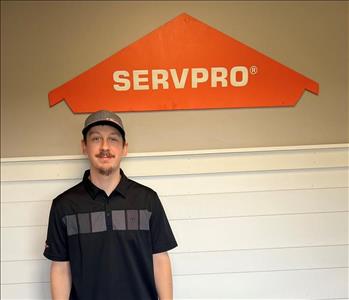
[[60, 280], [163, 275]]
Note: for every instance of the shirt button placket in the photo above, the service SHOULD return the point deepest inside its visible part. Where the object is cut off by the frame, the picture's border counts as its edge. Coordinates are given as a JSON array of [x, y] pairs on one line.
[[108, 214]]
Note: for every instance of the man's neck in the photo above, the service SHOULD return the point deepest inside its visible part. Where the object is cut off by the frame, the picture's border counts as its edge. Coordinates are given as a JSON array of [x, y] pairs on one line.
[[105, 183]]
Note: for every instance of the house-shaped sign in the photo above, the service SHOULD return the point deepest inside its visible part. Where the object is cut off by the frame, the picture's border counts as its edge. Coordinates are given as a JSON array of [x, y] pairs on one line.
[[184, 64]]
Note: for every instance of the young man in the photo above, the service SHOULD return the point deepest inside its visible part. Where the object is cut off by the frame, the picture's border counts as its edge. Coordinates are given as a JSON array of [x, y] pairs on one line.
[[108, 236]]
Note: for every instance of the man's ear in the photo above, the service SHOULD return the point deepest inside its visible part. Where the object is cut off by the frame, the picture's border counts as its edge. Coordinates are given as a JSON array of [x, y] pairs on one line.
[[83, 147], [125, 150]]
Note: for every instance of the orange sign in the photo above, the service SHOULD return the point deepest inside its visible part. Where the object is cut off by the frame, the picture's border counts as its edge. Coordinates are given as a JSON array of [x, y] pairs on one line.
[[184, 64]]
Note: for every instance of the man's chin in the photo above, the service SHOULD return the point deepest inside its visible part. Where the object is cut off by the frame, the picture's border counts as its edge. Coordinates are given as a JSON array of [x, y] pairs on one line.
[[106, 171]]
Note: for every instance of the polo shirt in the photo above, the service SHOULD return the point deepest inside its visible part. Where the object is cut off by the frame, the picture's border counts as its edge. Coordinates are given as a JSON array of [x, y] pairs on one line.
[[109, 240]]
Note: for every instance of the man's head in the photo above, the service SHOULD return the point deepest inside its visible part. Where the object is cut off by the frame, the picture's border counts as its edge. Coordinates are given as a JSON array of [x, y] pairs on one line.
[[104, 142], [103, 117]]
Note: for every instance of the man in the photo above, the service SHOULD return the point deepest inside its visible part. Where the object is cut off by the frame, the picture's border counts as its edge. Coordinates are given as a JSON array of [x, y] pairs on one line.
[[108, 236]]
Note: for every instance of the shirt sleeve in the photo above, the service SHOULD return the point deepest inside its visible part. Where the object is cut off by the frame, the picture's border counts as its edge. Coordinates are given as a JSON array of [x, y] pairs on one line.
[[56, 242], [161, 232]]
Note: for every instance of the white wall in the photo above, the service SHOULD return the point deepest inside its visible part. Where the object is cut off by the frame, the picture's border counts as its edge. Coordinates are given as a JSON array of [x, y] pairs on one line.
[[250, 223]]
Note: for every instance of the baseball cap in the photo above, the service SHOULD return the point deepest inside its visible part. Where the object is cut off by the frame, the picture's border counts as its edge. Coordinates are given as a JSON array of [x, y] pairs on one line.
[[103, 117]]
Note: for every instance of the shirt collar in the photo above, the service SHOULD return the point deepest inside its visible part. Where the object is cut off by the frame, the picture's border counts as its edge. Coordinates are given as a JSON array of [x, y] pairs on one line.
[[94, 190]]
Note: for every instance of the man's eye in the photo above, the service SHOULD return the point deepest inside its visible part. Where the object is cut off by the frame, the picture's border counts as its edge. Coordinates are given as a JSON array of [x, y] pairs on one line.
[[96, 138]]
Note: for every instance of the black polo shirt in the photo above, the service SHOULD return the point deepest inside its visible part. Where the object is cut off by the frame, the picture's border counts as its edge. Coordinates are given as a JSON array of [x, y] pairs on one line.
[[109, 241]]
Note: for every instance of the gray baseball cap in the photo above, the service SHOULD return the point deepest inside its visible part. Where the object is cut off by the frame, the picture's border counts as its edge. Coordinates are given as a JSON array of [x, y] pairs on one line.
[[103, 117]]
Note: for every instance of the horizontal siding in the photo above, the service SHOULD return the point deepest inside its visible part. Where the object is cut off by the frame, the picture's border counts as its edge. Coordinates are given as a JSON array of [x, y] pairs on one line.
[[261, 232], [256, 203], [185, 162], [309, 284], [22, 191], [212, 234], [35, 213], [25, 291], [191, 185], [259, 260], [249, 181], [210, 262], [253, 223]]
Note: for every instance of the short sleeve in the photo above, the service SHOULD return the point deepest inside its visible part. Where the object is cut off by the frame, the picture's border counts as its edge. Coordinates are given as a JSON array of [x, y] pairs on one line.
[[161, 232], [56, 241]]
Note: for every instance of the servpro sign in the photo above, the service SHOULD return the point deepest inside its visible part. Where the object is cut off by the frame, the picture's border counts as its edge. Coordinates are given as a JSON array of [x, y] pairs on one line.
[[184, 64]]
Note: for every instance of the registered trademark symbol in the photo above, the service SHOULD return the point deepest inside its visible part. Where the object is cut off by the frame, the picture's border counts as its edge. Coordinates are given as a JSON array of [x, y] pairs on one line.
[[253, 70]]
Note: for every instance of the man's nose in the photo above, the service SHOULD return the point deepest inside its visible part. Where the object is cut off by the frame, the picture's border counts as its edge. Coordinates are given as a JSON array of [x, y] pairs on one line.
[[105, 144]]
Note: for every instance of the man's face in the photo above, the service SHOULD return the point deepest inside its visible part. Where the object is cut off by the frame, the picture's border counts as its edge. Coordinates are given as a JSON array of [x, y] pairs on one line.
[[104, 148]]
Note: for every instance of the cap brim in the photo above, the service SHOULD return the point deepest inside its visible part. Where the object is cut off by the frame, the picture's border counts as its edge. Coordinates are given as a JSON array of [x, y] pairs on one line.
[[119, 128]]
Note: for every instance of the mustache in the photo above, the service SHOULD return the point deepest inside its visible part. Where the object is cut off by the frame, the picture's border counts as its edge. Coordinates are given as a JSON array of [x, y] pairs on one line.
[[105, 153]]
